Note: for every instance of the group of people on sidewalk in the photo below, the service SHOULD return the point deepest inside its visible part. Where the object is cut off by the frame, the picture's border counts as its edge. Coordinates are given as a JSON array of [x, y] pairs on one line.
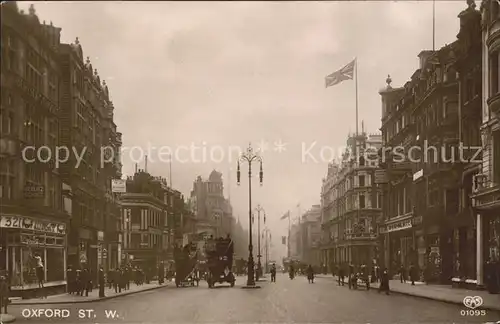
[[354, 273], [80, 283]]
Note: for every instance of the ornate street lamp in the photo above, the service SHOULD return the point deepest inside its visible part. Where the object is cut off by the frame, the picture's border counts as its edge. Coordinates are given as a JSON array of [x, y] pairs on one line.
[[250, 156], [259, 256]]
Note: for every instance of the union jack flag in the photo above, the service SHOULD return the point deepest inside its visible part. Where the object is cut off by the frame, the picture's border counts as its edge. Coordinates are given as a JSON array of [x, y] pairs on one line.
[[345, 73]]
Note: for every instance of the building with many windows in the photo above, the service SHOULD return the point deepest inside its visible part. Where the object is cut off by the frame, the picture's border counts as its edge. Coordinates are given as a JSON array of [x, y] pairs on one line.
[[33, 220], [147, 208], [87, 127], [435, 119], [310, 231], [351, 204], [213, 211], [486, 194]]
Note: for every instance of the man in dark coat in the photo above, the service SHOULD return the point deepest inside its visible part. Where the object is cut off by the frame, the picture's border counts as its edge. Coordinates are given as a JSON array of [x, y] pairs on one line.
[[413, 274], [341, 274], [402, 274], [161, 273], [70, 275], [85, 282], [350, 275], [102, 281], [384, 282]]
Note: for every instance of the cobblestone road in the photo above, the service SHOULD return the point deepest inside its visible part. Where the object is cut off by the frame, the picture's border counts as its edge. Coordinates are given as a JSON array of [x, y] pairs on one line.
[[284, 302]]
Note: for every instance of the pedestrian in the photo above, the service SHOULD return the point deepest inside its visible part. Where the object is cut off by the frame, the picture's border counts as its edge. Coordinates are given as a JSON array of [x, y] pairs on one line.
[[128, 277], [116, 279], [384, 282], [40, 274], [102, 282], [402, 273], [273, 273], [86, 282], [78, 282], [110, 278], [413, 274], [341, 274], [350, 275], [70, 274], [161, 273], [310, 274]]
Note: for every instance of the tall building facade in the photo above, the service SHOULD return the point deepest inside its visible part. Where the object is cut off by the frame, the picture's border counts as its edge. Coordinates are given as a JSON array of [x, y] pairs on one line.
[[147, 217], [351, 204], [310, 228], [486, 193], [87, 127], [213, 211], [434, 118], [33, 220]]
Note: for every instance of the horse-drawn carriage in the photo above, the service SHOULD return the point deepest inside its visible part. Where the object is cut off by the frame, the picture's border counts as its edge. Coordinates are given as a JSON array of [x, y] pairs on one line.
[[186, 272], [219, 253]]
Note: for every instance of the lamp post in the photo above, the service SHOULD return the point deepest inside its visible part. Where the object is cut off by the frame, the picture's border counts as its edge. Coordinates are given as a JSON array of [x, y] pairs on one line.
[[259, 209], [250, 156], [267, 238]]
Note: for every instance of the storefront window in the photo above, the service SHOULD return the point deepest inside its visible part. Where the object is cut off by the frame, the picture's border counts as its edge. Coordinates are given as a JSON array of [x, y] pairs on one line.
[[55, 264], [29, 263], [15, 266], [494, 242]]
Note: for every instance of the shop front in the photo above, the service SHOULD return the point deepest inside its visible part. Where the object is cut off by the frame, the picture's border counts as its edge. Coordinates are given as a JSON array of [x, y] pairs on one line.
[[27, 238], [401, 243]]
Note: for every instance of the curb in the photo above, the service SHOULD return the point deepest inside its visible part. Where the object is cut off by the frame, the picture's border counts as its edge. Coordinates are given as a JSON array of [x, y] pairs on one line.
[[7, 318], [90, 300], [455, 302], [448, 301]]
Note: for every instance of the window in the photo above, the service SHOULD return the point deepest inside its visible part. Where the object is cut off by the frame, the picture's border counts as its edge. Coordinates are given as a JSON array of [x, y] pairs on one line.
[[7, 183], [361, 180], [362, 202], [496, 157]]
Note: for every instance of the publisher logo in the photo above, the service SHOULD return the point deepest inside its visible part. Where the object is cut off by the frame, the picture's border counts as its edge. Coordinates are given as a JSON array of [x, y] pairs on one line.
[[473, 302]]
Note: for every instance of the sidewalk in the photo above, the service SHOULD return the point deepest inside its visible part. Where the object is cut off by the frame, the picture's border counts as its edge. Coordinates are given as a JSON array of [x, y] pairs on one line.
[[443, 293], [93, 296]]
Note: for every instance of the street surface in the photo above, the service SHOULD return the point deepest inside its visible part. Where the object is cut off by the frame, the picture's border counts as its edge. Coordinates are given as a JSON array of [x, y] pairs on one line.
[[286, 301]]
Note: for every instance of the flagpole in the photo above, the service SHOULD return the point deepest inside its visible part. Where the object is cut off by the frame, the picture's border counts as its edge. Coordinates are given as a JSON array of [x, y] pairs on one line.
[[433, 25], [356, 85]]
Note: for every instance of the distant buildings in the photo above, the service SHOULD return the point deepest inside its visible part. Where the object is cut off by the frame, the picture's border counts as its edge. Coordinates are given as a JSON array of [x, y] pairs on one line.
[[310, 227], [153, 220], [213, 211], [351, 204]]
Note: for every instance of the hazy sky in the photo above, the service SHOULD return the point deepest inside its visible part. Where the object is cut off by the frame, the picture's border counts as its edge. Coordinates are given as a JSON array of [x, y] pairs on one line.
[[222, 74]]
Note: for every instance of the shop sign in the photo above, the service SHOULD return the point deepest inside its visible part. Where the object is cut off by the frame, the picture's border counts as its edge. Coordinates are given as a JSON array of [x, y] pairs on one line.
[[118, 186], [399, 226], [381, 176], [31, 191], [29, 241], [27, 223], [83, 258], [417, 175]]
